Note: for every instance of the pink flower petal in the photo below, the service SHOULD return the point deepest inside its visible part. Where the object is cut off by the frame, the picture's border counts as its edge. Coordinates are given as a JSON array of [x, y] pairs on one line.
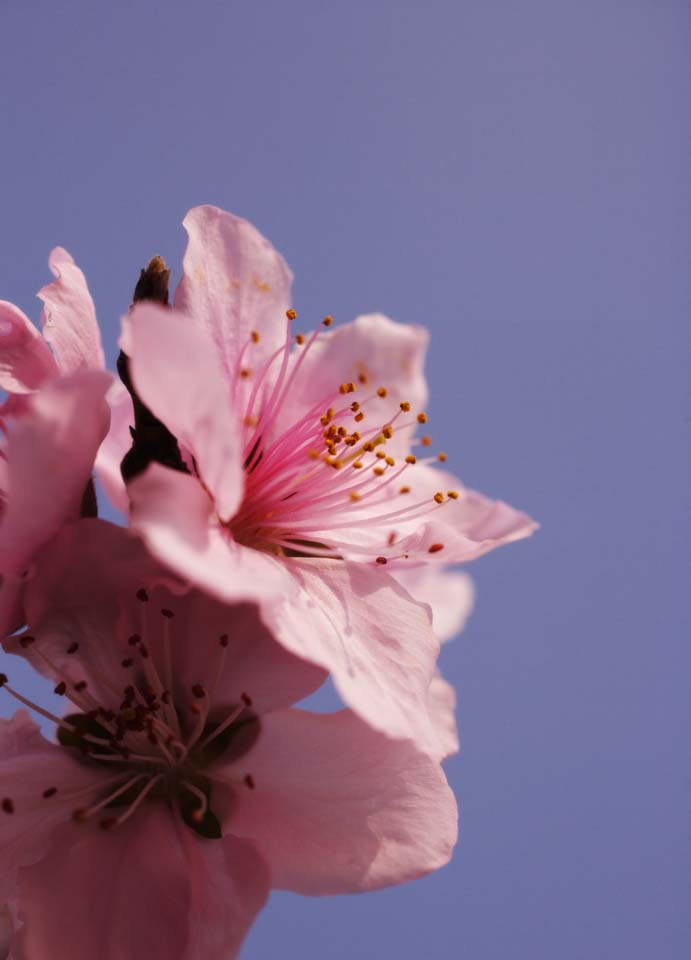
[[25, 360], [459, 530], [442, 709], [376, 641], [140, 891], [177, 374], [337, 807], [69, 318], [115, 446], [449, 593], [50, 453], [30, 765], [233, 283]]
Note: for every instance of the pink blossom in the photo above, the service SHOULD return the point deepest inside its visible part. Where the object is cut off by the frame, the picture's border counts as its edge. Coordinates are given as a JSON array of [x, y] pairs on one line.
[[52, 423], [68, 321], [185, 785], [303, 492]]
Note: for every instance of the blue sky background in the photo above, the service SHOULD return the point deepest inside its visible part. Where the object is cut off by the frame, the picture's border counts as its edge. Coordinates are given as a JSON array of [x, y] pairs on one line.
[[515, 176]]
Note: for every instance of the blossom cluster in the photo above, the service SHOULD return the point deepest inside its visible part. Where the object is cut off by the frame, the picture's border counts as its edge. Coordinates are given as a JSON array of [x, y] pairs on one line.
[[287, 520]]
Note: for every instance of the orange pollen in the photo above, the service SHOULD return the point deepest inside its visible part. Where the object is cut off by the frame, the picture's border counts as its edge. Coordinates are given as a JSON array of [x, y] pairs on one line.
[[250, 421], [313, 454], [379, 471], [245, 373], [255, 336], [382, 560], [368, 447], [439, 497], [404, 490], [405, 406], [359, 417], [380, 455], [452, 494], [387, 431], [291, 314], [327, 321], [411, 458], [355, 406], [435, 548], [357, 465], [381, 392], [422, 418], [442, 457], [347, 388], [390, 461], [299, 339], [426, 441], [354, 495]]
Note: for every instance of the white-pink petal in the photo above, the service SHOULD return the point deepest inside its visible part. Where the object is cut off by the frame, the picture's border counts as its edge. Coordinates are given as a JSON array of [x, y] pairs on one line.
[[177, 374], [339, 808], [376, 641], [69, 317], [25, 360], [233, 283]]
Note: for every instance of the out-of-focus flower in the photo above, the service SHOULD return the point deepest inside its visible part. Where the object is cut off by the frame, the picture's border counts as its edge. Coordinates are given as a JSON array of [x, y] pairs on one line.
[[301, 489], [184, 785], [51, 424]]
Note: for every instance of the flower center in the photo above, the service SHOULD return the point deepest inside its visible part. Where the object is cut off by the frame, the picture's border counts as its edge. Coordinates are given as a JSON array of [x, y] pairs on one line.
[[157, 749], [310, 482]]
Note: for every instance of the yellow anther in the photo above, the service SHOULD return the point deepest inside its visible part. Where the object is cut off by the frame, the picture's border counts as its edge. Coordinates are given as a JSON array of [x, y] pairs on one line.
[[410, 458], [390, 461], [422, 418], [357, 465], [299, 339], [387, 431], [255, 336], [336, 464], [347, 388], [442, 457], [426, 441], [327, 321], [404, 490], [354, 495], [379, 471], [452, 494], [439, 497], [291, 314], [380, 454], [355, 406], [405, 406], [381, 392], [359, 417], [368, 447]]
